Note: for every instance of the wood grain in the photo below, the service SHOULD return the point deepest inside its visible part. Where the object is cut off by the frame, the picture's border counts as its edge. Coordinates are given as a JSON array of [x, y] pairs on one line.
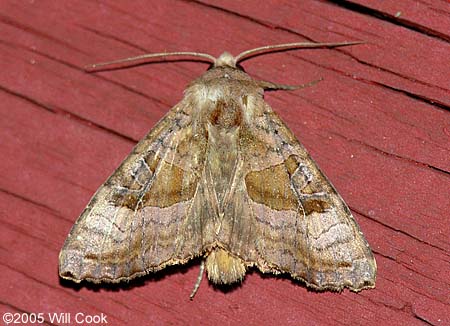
[[378, 126]]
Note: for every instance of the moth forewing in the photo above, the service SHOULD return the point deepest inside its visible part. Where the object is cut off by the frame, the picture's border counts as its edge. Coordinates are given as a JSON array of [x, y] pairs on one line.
[[223, 178]]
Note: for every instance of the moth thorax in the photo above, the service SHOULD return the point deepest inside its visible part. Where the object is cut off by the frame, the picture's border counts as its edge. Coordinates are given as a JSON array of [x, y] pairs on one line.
[[225, 59], [225, 114], [223, 268]]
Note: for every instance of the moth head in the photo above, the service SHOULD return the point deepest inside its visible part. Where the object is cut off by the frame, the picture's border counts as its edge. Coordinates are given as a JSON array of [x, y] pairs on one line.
[[225, 60]]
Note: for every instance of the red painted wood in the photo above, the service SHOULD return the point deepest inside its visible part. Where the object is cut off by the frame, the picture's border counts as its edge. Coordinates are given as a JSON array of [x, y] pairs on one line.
[[378, 125], [429, 17]]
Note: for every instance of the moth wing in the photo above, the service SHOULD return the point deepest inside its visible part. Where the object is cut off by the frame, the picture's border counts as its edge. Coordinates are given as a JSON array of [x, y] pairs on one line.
[[304, 227], [145, 216]]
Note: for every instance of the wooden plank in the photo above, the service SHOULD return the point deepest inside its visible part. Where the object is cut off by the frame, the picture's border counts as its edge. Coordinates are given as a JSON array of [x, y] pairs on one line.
[[378, 125], [427, 17]]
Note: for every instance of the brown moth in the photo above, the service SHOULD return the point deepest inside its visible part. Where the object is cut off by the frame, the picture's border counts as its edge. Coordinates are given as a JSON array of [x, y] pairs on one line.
[[223, 178]]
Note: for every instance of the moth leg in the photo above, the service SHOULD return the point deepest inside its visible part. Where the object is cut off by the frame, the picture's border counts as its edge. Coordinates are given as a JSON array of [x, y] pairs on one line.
[[199, 280], [269, 86]]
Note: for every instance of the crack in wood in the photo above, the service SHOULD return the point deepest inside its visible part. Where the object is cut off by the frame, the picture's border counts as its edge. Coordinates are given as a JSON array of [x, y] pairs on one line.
[[395, 229], [406, 159], [356, 7]]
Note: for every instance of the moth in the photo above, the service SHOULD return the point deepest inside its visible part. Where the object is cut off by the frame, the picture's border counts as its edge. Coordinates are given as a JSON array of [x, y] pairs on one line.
[[220, 177]]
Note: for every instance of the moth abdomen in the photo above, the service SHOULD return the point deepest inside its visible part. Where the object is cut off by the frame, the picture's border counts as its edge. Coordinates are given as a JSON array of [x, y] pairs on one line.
[[223, 268]]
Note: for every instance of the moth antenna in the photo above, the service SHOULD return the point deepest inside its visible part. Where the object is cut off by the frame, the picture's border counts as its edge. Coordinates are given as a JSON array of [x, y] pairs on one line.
[[144, 57], [290, 46]]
